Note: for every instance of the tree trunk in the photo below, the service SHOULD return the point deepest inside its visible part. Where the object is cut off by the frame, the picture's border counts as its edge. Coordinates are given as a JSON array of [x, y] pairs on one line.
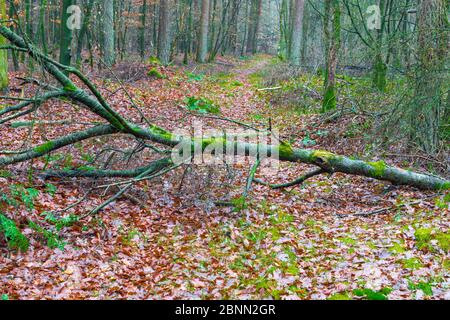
[[109, 55], [305, 31], [65, 53], [42, 29], [379, 66], [142, 29], [203, 34], [296, 32], [12, 15], [332, 43], [432, 51], [164, 32], [254, 26], [3, 53], [84, 31]]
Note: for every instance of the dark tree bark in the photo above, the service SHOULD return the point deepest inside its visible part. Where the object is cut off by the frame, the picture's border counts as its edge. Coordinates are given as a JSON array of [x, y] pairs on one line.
[[164, 32]]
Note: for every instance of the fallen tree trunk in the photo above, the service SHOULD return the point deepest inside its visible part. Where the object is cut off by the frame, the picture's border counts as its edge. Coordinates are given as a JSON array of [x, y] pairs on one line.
[[326, 161]]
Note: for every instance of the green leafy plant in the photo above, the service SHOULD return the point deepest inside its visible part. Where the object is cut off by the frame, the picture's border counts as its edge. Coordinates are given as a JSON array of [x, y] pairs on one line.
[[340, 296], [153, 72], [22, 194], [14, 238], [154, 60], [426, 287], [370, 294], [60, 223], [201, 105], [50, 189], [52, 239], [194, 77]]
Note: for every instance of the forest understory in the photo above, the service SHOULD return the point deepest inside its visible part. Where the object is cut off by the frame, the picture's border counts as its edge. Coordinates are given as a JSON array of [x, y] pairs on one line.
[[334, 237]]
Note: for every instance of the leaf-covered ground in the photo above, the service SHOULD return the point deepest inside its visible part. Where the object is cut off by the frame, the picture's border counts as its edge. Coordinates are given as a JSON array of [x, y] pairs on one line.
[[301, 243]]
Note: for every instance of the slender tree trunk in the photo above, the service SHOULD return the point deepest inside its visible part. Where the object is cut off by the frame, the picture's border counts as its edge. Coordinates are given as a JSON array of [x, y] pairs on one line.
[[13, 14], [305, 31], [258, 25], [42, 29], [332, 43], [297, 32], [83, 32], [142, 29], [188, 33], [379, 66], [3, 53], [284, 37], [109, 55], [29, 31], [65, 53], [203, 34], [251, 29], [164, 32], [254, 26]]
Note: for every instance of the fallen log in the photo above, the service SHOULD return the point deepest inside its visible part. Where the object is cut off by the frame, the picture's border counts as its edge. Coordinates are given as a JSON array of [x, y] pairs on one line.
[[117, 124]]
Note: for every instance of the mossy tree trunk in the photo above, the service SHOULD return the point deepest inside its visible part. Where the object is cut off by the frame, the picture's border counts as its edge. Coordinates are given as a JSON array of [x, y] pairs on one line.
[[3, 53], [65, 53], [332, 34]]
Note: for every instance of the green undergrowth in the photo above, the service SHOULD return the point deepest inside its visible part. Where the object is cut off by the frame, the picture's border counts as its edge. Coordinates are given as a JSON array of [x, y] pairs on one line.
[[18, 196], [201, 105]]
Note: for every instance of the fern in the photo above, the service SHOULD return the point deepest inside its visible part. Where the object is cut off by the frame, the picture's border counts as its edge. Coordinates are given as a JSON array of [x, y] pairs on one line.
[[53, 240], [60, 223], [14, 238]]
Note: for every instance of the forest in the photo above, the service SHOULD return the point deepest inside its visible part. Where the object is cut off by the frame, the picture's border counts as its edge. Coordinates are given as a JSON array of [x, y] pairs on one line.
[[224, 150]]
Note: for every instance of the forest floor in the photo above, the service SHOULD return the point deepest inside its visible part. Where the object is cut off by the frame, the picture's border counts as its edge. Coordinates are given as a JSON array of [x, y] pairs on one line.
[[306, 242]]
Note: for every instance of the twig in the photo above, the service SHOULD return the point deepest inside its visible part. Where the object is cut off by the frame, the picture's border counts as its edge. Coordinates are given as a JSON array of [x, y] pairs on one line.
[[270, 89], [387, 209], [293, 183]]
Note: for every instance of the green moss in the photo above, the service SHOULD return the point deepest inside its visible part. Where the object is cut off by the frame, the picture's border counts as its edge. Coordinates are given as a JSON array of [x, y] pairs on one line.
[[153, 72], [398, 248], [70, 87], [412, 263], [161, 132], [444, 241], [423, 237], [329, 100], [154, 61], [285, 150], [45, 147], [445, 186], [378, 168], [322, 155], [446, 264]]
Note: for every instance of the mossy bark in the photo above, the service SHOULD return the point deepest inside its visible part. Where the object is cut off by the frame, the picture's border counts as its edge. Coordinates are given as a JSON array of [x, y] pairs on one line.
[[379, 73], [332, 43], [3, 53]]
